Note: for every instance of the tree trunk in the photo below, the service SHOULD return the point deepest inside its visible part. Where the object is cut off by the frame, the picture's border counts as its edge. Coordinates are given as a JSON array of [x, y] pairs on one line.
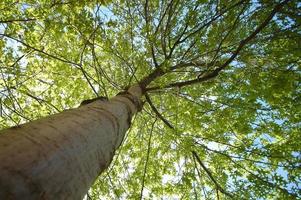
[[59, 157]]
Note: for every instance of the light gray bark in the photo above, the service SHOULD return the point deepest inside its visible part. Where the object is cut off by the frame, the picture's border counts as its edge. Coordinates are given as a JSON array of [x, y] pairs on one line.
[[59, 157]]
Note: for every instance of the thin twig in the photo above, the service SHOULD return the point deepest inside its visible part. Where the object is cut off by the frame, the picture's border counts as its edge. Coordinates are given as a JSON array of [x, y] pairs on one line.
[[157, 112], [210, 175], [147, 158]]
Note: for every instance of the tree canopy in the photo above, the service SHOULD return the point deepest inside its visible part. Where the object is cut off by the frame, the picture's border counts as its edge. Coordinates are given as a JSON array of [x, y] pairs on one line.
[[221, 118]]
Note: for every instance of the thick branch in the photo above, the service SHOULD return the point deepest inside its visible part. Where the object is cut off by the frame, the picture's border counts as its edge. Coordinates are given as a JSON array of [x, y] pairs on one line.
[[151, 77], [17, 20]]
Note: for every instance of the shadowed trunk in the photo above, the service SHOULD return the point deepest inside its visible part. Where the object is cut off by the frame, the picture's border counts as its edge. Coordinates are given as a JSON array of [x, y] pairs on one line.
[[60, 156]]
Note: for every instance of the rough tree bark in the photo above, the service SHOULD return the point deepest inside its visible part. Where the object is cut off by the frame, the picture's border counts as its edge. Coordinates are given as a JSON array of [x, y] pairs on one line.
[[60, 156]]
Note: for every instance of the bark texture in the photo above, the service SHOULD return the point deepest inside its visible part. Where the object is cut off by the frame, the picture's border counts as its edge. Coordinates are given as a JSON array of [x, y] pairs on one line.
[[59, 157]]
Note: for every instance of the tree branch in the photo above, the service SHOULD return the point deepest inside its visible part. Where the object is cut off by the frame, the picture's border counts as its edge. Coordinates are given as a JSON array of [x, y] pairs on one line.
[[147, 158], [251, 36], [39, 50], [234, 55], [209, 22], [17, 20], [210, 175], [157, 112]]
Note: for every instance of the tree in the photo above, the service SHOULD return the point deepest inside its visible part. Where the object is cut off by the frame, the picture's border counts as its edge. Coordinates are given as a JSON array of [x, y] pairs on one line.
[[219, 81]]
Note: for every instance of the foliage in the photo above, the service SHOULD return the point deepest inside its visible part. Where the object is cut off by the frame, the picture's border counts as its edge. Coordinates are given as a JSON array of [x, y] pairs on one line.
[[234, 135]]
